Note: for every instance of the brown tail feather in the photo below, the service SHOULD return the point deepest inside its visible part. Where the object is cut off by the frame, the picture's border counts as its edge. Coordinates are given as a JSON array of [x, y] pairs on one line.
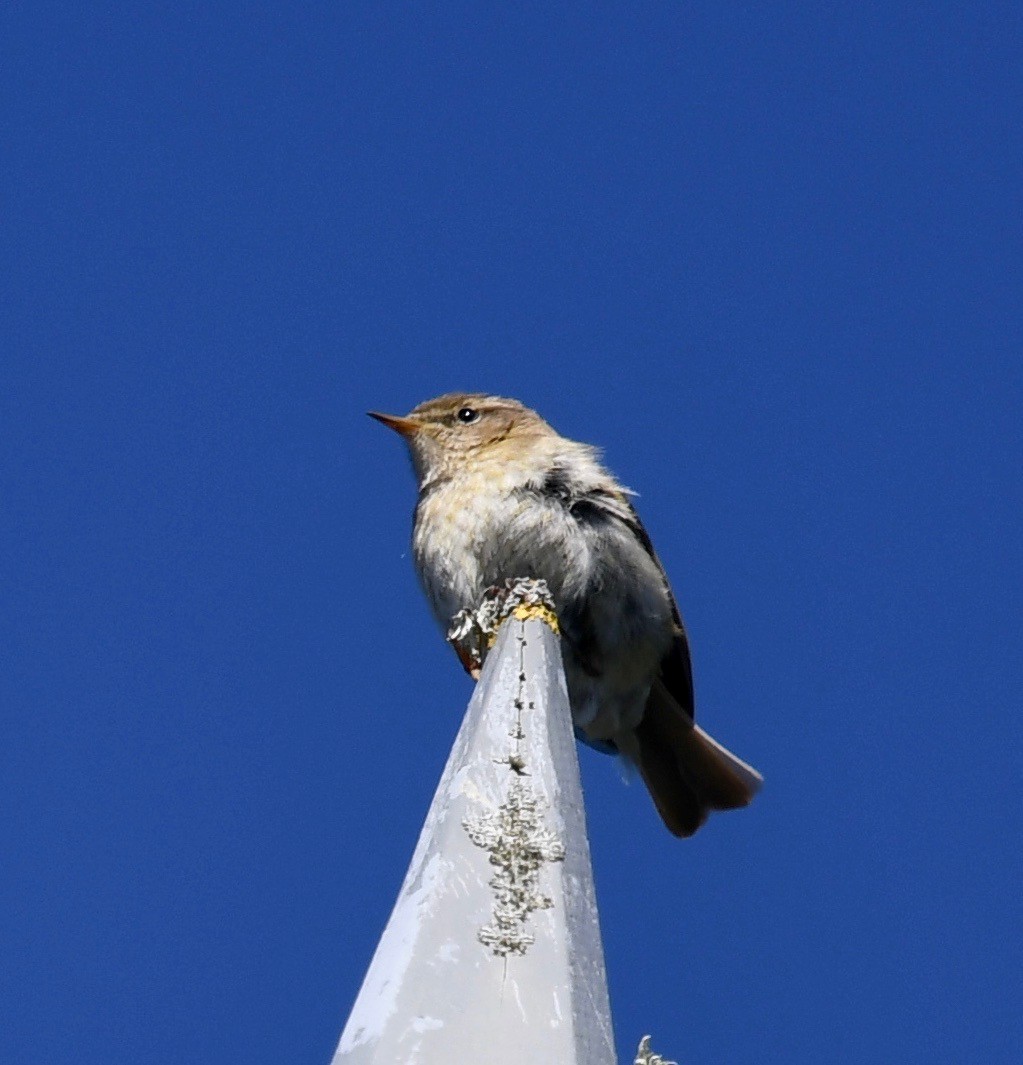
[[688, 773]]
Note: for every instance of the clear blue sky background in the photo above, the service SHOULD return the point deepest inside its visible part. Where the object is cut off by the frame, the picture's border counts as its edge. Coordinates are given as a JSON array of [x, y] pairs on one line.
[[768, 255]]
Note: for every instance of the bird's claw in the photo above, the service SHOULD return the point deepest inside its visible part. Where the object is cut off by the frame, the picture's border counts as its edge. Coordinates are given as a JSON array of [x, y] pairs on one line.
[[473, 632]]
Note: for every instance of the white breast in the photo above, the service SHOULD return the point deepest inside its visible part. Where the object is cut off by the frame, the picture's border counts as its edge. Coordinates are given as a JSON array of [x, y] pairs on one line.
[[456, 524]]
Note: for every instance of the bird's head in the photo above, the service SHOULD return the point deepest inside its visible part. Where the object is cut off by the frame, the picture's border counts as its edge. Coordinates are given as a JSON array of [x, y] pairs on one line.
[[452, 433]]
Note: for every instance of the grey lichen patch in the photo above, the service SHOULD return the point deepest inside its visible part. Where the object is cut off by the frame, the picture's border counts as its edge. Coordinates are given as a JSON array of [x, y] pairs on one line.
[[645, 1056], [473, 632], [519, 845], [515, 835]]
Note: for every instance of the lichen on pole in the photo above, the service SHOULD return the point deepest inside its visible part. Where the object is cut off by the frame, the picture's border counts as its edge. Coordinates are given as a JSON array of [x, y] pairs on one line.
[[493, 949]]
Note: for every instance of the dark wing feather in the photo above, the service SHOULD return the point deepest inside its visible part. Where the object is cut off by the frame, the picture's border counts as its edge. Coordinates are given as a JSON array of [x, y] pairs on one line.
[[676, 666], [688, 773]]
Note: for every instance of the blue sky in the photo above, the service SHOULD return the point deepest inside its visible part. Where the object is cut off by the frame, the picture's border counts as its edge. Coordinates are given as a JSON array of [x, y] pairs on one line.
[[767, 255]]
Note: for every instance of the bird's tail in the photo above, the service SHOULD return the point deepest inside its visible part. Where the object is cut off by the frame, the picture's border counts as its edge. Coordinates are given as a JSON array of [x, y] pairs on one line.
[[687, 772]]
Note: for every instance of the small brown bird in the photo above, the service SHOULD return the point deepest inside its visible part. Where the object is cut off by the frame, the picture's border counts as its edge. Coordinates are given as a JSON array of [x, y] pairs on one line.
[[501, 494]]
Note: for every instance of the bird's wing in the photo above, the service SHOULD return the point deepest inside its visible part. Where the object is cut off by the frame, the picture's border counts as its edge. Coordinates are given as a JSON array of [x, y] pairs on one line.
[[676, 666], [688, 773]]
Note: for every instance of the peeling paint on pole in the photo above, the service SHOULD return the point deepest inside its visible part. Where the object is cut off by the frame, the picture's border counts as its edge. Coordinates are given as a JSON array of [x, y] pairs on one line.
[[493, 950]]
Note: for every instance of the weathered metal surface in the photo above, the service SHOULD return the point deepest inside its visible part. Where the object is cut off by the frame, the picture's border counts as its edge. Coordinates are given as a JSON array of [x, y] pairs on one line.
[[493, 950]]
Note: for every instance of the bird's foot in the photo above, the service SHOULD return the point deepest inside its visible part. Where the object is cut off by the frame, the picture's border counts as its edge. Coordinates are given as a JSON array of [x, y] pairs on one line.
[[473, 632]]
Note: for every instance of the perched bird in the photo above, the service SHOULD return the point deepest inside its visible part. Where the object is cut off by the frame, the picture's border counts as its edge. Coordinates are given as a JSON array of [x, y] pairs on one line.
[[501, 494]]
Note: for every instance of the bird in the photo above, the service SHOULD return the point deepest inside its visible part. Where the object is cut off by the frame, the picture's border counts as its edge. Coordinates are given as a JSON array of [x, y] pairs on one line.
[[501, 494]]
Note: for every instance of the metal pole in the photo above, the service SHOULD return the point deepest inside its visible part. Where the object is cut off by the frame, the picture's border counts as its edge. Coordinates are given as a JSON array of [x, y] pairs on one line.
[[493, 950]]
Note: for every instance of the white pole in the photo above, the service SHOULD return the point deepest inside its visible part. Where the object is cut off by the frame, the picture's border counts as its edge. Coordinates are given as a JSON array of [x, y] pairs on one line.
[[493, 950]]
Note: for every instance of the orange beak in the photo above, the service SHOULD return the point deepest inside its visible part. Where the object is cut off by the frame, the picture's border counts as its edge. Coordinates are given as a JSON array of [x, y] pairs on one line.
[[405, 426]]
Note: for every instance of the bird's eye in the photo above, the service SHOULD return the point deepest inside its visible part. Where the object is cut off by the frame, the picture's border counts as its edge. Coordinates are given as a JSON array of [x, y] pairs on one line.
[[468, 415]]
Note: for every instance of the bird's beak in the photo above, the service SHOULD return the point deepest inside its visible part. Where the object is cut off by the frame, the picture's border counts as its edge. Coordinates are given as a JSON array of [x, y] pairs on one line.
[[407, 427]]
